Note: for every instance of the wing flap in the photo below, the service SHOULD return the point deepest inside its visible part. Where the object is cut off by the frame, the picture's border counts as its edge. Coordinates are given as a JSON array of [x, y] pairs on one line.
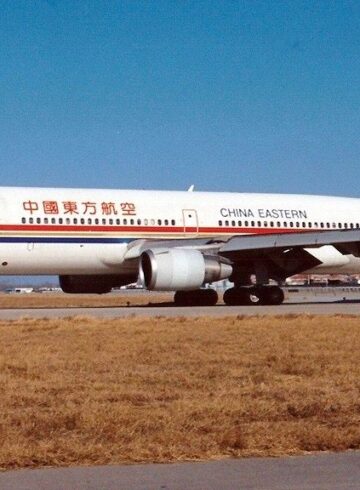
[[346, 241]]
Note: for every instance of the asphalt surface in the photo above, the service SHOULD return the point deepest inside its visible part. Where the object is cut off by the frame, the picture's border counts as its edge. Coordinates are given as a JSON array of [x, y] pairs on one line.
[[320, 472], [318, 308], [313, 300]]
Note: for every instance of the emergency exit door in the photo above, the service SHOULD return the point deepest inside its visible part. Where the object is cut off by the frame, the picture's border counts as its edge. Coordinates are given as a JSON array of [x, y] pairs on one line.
[[191, 224]]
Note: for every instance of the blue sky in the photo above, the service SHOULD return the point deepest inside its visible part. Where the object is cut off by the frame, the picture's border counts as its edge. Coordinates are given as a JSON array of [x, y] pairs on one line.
[[259, 96]]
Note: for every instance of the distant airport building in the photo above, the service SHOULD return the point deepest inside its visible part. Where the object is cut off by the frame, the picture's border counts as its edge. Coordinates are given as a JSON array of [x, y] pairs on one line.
[[19, 290]]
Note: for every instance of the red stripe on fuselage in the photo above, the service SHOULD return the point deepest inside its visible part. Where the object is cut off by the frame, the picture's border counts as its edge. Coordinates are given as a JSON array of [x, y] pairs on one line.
[[152, 229]]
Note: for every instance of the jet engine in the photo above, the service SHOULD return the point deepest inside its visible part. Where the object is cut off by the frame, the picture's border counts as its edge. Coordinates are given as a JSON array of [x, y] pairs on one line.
[[181, 269]]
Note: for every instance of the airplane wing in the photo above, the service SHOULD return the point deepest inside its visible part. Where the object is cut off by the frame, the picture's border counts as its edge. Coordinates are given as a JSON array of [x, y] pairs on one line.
[[346, 241], [283, 255], [206, 245]]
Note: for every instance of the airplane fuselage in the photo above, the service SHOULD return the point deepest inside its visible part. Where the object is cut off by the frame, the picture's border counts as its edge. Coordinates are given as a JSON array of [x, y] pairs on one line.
[[90, 231]]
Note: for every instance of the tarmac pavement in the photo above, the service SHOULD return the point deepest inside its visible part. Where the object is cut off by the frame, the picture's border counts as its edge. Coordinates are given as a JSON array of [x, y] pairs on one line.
[[339, 471]]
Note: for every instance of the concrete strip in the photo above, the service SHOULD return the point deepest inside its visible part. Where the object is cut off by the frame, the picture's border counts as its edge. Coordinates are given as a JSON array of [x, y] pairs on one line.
[[343, 308], [319, 472]]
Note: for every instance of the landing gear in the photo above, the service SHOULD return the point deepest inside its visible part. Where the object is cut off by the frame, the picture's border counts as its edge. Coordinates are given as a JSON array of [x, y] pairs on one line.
[[240, 296], [254, 295], [199, 297], [271, 295]]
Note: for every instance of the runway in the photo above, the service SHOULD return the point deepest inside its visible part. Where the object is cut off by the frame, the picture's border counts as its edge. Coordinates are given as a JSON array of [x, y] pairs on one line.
[[313, 301], [316, 308], [339, 471]]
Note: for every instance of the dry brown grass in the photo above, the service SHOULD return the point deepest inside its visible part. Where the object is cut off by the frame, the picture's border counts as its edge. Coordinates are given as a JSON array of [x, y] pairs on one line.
[[91, 391], [60, 300]]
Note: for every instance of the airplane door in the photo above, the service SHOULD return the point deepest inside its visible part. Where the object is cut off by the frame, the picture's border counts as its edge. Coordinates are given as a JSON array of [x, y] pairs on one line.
[[191, 224]]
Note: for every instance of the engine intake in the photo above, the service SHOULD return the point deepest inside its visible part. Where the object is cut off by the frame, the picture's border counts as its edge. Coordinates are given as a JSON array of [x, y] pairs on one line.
[[181, 269]]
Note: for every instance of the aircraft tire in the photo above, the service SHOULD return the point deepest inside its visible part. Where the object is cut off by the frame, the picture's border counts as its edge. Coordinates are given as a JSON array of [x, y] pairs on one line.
[[242, 296], [199, 297], [271, 295]]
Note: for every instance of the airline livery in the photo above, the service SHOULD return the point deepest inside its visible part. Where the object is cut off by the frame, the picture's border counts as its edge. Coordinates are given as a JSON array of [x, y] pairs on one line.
[[95, 240]]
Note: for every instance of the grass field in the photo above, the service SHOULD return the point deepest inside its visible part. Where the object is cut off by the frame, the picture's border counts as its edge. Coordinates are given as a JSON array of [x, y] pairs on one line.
[[61, 300], [90, 391]]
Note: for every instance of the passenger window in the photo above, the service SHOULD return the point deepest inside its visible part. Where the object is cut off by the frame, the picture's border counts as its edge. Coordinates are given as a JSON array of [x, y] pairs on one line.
[[46, 221], [345, 225], [132, 221], [328, 225], [321, 225], [104, 221], [285, 224], [240, 224], [340, 225], [31, 220], [111, 221], [125, 221], [173, 222], [315, 225], [220, 222], [271, 224], [253, 223], [226, 223], [82, 221], [67, 221], [146, 222], [297, 224], [246, 224], [23, 220], [166, 222], [139, 222], [75, 221], [233, 223], [310, 225], [259, 224], [278, 224], [265, 224], [96, 221], [38, 221], [60, 221], [118, 221], [304, 224], [53, 221]]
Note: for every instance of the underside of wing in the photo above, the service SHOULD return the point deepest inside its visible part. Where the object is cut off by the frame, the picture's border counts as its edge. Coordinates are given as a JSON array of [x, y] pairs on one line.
[[283, 255]]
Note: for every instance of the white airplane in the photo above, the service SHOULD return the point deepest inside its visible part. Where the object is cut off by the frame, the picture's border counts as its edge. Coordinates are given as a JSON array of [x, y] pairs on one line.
[[95, 240]]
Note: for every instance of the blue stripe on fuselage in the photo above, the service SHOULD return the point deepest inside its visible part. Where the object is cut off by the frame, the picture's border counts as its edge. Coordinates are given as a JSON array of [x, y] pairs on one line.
[[64, 240]]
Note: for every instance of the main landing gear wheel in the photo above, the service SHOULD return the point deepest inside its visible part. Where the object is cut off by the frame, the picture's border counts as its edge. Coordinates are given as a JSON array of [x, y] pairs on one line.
[[255, 295], [240, 296], [271, 295], [199, 297]]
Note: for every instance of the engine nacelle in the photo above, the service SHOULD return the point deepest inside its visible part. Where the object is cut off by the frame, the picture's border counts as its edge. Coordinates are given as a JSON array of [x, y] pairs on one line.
[[93, 284], [180, 269]]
